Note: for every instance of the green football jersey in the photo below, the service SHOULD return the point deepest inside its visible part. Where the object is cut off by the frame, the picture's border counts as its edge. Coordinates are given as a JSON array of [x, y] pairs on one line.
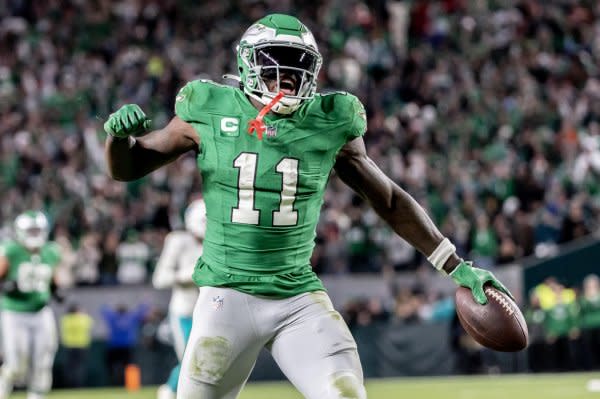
[[590, 312], [263, 197], [33, 274]]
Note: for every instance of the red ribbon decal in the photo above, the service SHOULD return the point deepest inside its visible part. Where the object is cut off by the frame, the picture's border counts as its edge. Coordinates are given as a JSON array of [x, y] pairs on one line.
[[257, 125]]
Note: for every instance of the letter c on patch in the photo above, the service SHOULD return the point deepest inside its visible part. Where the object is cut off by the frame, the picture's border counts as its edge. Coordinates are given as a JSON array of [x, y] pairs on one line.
[[230, 125]]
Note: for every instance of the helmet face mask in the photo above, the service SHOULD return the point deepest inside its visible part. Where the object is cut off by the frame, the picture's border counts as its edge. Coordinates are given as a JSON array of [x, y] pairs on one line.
[[32, 229], [274, 53]]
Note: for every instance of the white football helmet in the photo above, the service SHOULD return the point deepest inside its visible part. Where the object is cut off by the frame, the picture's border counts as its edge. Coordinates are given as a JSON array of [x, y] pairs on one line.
[[274, 44], [32, 229], [195, 218]]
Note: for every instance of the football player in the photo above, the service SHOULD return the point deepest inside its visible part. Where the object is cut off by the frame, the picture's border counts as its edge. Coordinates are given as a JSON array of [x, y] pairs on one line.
[[265, 151], [29, 337], [174, 270]]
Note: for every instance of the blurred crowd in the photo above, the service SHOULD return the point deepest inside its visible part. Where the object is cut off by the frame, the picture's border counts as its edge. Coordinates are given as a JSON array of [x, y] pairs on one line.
[[408, 305], [486, 111], [563, 323], [564, 326]]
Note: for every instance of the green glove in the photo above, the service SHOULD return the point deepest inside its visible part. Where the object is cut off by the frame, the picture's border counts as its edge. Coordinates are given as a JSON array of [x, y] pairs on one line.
[[473, 278], [129, 120]]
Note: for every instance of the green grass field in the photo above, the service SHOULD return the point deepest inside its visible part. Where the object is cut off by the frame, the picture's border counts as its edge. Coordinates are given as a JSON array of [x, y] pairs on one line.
[[529, 386]]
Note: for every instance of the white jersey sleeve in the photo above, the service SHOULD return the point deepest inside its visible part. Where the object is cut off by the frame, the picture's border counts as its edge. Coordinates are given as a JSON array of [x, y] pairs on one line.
[[166, 268], [175, 269]]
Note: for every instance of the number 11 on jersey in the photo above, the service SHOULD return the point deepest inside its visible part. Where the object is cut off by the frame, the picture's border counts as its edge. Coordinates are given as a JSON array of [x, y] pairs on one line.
[[245, 212]]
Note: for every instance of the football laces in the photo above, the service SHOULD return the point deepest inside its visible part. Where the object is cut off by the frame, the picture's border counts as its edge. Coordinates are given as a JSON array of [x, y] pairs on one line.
[[501, 300]]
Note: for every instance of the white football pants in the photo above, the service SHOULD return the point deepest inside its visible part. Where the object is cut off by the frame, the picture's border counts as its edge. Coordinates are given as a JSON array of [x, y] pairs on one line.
[[30, 342], [308, 339]]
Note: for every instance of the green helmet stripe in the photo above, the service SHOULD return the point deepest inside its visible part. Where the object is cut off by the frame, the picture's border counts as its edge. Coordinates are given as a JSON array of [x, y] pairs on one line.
[[284, 24]]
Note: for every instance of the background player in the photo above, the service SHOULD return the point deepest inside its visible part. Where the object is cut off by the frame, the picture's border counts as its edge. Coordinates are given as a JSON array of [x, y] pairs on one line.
[[263, 194], [174, 270], [29, 337]]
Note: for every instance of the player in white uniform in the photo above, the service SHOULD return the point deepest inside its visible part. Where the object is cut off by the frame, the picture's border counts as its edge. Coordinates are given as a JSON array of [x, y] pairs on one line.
[[29, 338], [174, 270]]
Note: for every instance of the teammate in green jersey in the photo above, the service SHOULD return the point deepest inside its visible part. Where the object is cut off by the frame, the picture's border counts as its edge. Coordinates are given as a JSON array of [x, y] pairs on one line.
[[265, 151], [29, 336]]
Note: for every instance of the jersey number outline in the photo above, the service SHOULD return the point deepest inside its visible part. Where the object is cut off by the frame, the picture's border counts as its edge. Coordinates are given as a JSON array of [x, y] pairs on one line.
[[33, 277], [245, 212]]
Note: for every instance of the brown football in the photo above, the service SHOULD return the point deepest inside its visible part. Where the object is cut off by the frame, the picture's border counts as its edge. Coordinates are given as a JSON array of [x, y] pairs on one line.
[[498, 325]]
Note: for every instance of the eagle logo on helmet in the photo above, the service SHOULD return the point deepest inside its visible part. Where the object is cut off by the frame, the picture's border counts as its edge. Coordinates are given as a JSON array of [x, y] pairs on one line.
[[275, 45]]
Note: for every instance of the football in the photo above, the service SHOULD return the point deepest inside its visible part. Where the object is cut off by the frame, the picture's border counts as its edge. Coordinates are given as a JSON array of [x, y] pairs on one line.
[[498, 325]]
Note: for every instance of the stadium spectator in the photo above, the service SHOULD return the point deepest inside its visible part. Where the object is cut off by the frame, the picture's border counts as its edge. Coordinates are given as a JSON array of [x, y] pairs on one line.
[[537, 348], [87, 257], [133, 256], [471, 106], [109, 263], [484, 243], [561, 324], [363, 312], [76, 338], [409, 304], [589, 303], [123, 333], [490, 109]]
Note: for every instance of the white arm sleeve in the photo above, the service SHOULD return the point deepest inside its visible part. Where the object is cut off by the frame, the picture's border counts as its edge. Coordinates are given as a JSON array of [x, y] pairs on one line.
[[185, 274], [166, 267]]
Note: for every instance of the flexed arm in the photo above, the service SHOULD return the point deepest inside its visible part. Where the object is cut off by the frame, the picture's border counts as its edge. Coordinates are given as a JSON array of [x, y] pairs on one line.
[[131, 154]]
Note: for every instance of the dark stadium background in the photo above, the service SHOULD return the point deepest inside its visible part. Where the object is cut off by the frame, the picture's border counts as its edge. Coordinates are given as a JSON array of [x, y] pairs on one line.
[[487, 111]]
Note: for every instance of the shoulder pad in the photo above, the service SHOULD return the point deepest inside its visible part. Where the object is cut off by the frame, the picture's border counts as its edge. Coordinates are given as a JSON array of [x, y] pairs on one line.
[[196, 97], [349, 107]]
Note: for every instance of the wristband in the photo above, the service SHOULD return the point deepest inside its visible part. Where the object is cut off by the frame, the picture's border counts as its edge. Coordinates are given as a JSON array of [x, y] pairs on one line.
[[441, 254]]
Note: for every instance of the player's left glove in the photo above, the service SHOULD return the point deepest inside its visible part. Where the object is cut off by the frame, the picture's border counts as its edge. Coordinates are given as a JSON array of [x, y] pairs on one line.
[[474, 278], [129, 120]]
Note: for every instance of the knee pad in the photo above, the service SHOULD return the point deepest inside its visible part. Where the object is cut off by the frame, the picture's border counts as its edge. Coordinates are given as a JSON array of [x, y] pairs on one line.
[[346, 385]]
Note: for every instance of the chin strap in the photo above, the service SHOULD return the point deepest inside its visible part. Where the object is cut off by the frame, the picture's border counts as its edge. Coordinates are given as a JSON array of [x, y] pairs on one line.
[[257, 123]]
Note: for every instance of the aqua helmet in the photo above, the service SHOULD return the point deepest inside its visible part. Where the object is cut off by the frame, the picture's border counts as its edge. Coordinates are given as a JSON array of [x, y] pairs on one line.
[[195, 218], [274, 45], [32, 229]]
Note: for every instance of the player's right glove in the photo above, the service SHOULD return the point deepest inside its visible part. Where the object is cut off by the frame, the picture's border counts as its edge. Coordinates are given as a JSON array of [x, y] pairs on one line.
[[474, 278], [129, 120]]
